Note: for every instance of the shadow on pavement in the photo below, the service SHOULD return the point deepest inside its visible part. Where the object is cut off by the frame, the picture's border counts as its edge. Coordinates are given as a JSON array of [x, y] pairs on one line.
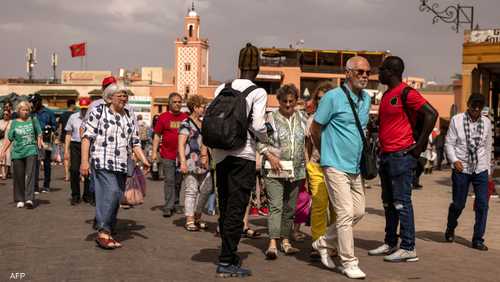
[[445, 181], [155, 208], [258, 221], [378, 212], [212, 255], [125, 229], [438, 237], [40, 202], [366, 244]]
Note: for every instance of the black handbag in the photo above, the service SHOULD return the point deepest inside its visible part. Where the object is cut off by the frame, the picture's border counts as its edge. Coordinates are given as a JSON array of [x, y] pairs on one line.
[[368, 164]]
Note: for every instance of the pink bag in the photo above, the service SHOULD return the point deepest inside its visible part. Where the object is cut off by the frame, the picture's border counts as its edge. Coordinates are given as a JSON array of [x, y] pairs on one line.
[[136, 189]]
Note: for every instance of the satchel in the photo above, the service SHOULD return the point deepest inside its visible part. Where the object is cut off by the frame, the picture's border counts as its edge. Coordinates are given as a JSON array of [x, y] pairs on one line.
[[368, 164]]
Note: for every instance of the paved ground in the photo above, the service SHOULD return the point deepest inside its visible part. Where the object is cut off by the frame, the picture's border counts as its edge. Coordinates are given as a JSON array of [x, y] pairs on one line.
[[54, 242]]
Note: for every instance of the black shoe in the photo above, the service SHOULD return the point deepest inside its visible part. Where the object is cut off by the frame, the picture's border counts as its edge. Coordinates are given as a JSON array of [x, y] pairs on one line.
[[479, 246], [167, 213], [86, 199], [231, 270], [179, 210], [75, 201], [449, 235]]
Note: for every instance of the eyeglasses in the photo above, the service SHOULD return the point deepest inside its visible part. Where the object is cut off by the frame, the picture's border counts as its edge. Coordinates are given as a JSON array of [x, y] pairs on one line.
[[361, 72]]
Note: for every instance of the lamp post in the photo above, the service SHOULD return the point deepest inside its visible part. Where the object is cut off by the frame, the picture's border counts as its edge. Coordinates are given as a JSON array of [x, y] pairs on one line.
[[455, 15], [30, 62], [54, 66]]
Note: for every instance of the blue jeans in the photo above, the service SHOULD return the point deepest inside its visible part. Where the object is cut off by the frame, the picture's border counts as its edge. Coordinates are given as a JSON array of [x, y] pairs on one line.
[[109, 187], [460, 184], [396, 177]]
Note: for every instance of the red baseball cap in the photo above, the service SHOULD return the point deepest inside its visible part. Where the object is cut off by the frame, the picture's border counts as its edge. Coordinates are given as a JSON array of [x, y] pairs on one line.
[[84, 102], [107, 81]]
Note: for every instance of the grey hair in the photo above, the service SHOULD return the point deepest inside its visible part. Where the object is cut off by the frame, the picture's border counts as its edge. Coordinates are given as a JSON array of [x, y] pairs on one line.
[[353, 61]]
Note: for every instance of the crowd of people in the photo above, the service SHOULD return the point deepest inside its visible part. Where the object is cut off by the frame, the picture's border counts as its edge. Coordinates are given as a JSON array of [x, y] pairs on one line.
[[292, 166]]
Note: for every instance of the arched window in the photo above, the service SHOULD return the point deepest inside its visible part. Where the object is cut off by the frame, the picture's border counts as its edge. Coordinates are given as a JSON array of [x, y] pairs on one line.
[[190, 31]]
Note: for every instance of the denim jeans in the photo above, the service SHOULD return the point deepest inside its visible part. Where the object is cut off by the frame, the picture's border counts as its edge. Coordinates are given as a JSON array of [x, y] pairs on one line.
[[109, 187], [460, 184], [396, 176]]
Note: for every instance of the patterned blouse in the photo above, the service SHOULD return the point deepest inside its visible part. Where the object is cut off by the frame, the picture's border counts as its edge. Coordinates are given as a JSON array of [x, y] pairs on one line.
[[193, 146], [112, 137], [288, 140]]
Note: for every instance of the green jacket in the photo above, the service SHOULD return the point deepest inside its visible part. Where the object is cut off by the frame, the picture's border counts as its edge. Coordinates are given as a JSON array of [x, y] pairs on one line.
[[288, 140]]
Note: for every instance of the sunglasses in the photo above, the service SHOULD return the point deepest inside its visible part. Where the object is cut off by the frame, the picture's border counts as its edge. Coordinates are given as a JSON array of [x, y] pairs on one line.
[[362, 72]]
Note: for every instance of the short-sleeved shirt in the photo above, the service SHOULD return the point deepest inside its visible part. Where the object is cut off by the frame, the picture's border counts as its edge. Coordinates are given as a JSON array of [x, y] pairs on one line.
[[73, 126], [395, 131], [168, 128], [24, 134], [63, 121], [112, 138], [341, 143], [193, 146]]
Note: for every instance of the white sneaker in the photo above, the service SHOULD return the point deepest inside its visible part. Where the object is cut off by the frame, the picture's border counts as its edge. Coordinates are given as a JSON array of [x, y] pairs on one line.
[[37, 193], [402, 256], [382, 250], [20, 204], [324, 253], [29, 204], [354, 272]]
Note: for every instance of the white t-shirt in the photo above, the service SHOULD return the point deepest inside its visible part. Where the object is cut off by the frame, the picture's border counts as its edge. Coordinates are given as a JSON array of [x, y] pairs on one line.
[[257, 99]]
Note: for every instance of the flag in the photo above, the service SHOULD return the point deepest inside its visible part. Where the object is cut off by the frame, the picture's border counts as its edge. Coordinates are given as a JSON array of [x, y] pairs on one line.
[[77, 50]]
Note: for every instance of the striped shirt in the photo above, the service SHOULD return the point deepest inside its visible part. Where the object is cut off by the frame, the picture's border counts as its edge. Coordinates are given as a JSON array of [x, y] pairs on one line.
[[112, 137]]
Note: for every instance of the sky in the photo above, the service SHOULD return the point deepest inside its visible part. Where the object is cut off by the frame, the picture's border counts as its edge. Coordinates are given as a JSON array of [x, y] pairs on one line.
[[134, 33]]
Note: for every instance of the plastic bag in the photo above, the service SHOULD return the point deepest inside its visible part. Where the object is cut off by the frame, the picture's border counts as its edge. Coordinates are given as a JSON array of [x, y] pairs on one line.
[[136, 188]]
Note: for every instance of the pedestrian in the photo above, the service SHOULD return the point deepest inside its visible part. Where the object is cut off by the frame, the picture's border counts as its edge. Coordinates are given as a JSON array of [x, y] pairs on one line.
[[439, 143], [47, 122], [155, 166], [285, 143], [143, 132], [72, 155], [400, 149], [315, 179], [235, 169], [5, 124], [61, 125], [26, 136], [335, 128], [468, 147], [167, 130], [110, 136], [302, 213], [194, 164]]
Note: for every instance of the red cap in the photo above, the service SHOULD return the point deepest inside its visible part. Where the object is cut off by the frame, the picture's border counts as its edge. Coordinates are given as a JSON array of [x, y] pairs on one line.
[[107, 81], [84, 102]]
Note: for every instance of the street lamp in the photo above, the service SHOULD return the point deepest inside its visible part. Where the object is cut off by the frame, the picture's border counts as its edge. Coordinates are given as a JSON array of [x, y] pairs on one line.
[[30, 62]]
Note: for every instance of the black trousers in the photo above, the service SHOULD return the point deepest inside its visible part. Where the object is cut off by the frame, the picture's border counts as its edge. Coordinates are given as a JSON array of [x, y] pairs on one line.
[[75, 149], [235, 181]]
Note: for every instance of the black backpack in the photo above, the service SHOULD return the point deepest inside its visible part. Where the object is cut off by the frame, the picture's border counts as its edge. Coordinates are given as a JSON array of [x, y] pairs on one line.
[[225, 123], [417, 124]]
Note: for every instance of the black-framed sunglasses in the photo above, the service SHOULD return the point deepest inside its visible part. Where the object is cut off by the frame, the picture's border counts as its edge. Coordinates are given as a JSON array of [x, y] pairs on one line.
[[362, 72]]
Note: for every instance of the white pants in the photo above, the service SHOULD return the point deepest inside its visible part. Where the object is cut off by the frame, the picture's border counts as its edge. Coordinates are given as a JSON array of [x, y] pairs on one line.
[[348, 199], [197, 189]]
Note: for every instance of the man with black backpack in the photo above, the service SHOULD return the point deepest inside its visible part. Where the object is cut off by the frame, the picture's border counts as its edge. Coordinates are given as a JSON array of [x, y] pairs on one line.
[[231, 125], [406, 120]]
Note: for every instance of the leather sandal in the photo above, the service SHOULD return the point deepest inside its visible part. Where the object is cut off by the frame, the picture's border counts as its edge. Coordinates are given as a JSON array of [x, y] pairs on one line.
[[288, 249], [271, 253], [107, 242], [250, 233], [191, 226]]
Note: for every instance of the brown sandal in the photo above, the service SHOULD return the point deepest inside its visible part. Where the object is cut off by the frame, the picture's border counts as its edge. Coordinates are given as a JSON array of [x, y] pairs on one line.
[[107, 243]]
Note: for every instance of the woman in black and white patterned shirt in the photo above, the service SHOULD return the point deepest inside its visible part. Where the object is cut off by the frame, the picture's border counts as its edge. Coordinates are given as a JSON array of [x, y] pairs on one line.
[[110, 134]]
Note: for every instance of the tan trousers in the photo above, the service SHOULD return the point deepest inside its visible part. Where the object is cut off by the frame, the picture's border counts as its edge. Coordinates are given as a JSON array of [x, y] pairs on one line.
[[348, 199]]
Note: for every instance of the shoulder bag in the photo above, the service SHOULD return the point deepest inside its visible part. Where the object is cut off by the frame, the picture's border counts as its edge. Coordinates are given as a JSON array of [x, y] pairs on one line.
[[368, 164]]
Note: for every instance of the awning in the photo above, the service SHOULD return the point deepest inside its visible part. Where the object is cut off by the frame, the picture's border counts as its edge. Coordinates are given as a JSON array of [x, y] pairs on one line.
[[58, 92], [160, 101], [269, 76], [98, 92]]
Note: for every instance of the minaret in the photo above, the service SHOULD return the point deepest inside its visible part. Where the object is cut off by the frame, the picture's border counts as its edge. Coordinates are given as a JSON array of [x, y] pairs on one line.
[[191, 56]]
